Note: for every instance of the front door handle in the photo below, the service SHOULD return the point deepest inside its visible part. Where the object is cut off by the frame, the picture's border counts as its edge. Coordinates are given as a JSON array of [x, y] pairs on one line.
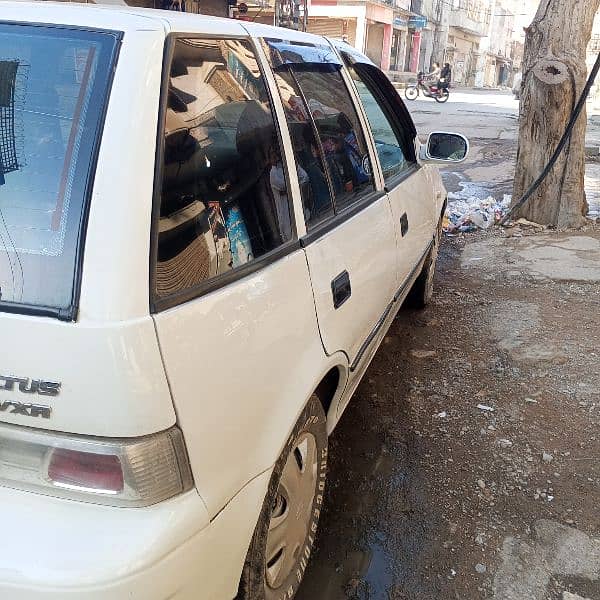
[[404, 224], [341, 289]]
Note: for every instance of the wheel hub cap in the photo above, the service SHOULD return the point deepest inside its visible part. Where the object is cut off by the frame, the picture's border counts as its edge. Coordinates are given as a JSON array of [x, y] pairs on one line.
[[290, 513]]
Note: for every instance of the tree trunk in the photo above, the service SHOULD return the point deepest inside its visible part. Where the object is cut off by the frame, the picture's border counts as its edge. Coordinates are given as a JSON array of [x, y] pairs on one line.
[[554, 75]]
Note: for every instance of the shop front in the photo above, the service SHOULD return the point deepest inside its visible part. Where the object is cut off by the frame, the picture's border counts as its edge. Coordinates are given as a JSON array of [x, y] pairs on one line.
[[378, 43], [340, 21], [399, 44]]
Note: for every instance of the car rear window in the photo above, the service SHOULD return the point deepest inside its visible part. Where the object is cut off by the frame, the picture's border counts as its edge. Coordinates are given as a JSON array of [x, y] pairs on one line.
[[53, 88]]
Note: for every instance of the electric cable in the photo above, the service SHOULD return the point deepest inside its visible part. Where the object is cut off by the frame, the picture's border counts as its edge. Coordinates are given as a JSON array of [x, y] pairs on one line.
[[561, 145]]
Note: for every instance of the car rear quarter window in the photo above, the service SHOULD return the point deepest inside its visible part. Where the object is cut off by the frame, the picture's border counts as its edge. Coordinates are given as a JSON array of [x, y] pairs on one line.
[[224, 199], [53, 88]]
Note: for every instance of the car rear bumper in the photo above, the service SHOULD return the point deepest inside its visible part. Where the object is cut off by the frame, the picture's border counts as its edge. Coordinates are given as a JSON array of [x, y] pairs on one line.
[[62, 550]]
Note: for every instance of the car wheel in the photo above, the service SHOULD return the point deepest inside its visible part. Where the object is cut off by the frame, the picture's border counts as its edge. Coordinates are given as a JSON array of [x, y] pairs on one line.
[[422, 290], [411, 92], [285, 533]]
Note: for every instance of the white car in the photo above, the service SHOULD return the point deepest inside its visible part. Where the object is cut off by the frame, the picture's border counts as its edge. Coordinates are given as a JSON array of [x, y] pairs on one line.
[[206, 228]]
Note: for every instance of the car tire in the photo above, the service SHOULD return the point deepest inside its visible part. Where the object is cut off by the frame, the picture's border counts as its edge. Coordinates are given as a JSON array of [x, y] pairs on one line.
[[286, 528], [421, 292]]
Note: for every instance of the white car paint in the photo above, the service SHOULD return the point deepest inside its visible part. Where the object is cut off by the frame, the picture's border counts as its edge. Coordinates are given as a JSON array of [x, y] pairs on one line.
[[232, 368], [261, 328], [64, 550], [364, 246], [112, 376]]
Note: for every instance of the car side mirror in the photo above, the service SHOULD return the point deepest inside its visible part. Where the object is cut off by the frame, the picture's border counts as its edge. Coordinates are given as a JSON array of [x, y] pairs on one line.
[[445, 147]]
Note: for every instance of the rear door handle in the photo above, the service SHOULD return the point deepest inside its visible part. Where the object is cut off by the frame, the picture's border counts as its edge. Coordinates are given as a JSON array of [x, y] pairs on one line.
[[341, 289], [404, 224]]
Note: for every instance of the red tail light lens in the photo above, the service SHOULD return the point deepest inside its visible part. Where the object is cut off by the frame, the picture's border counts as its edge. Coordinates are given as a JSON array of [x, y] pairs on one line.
[[124, 472], [86, 471]]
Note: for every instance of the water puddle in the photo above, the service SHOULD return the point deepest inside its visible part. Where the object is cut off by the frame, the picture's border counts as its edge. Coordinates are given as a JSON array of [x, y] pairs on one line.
[[460, 188], [378, 576]]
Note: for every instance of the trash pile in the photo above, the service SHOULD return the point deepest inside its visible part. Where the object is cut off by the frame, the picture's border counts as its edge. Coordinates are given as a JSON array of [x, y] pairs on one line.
[[463, 216]]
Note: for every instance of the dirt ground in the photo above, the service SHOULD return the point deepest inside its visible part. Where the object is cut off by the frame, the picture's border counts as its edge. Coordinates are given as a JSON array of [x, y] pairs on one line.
[[467, 465]]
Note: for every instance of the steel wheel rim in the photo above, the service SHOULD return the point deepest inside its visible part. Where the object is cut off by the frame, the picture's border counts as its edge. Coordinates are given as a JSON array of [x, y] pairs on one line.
[[290, 514]]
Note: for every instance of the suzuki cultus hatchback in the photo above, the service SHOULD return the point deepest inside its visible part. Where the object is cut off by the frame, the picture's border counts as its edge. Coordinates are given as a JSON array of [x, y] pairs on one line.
[[206, 229]]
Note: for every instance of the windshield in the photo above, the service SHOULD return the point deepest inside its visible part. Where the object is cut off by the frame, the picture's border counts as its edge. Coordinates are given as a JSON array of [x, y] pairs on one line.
[[53, 88]]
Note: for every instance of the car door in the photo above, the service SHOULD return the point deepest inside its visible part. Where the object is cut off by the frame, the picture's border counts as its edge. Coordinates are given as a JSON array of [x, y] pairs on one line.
[[350, 241], [407, 183]]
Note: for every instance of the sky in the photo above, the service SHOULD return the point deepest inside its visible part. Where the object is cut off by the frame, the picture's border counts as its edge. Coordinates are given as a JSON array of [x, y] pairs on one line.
[[524, 11]]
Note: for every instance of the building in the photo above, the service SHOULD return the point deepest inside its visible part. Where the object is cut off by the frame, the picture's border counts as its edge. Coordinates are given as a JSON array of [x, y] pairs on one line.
[[495, 63], [498, 67], [377, 28], [467, 26], [592, 54]]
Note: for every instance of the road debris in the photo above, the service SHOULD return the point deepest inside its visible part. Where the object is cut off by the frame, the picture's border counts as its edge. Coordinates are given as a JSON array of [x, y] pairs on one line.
[[423, 353], [463, 216], [485, 408]]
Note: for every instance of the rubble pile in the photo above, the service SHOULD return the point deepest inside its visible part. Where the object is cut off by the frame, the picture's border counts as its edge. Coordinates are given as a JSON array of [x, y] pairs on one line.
[[465, 215]]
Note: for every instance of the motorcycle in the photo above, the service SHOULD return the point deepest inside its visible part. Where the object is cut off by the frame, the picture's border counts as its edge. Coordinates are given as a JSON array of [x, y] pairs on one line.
[[439, 93]]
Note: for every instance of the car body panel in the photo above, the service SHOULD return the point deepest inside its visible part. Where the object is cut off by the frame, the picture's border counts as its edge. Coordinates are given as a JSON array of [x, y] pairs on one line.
[[411, 199], [364, 247], [167, 551], [261, 328], [112, 379]]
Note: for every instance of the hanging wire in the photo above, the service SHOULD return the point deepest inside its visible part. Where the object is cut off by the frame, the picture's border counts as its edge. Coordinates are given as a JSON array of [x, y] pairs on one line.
[[561, 145]]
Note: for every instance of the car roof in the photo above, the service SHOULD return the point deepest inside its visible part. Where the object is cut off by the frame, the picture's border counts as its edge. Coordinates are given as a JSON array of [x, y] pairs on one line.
[[127, 18], [123, 18]]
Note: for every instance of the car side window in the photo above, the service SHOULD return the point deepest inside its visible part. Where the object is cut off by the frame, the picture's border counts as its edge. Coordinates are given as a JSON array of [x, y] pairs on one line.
[[330, 148], [390, 138], [224, 197]]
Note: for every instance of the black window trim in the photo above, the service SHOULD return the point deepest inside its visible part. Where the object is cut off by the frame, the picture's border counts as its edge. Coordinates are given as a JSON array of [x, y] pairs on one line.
[[157, 303], [340, 215], [71, 313], [401, 123], [395, 180]]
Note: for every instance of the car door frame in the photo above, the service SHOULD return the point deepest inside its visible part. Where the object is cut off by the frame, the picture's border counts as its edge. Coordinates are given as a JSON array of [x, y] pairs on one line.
[[346, 213], [400, 113], [158, 304]]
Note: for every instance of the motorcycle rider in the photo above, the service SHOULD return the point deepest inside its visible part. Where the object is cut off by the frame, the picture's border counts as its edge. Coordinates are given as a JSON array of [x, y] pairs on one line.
[[435, 74], [433, 79], [445, 77]]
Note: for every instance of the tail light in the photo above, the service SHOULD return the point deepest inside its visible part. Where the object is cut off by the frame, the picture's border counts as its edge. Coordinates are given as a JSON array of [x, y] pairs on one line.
[[118, 472]]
